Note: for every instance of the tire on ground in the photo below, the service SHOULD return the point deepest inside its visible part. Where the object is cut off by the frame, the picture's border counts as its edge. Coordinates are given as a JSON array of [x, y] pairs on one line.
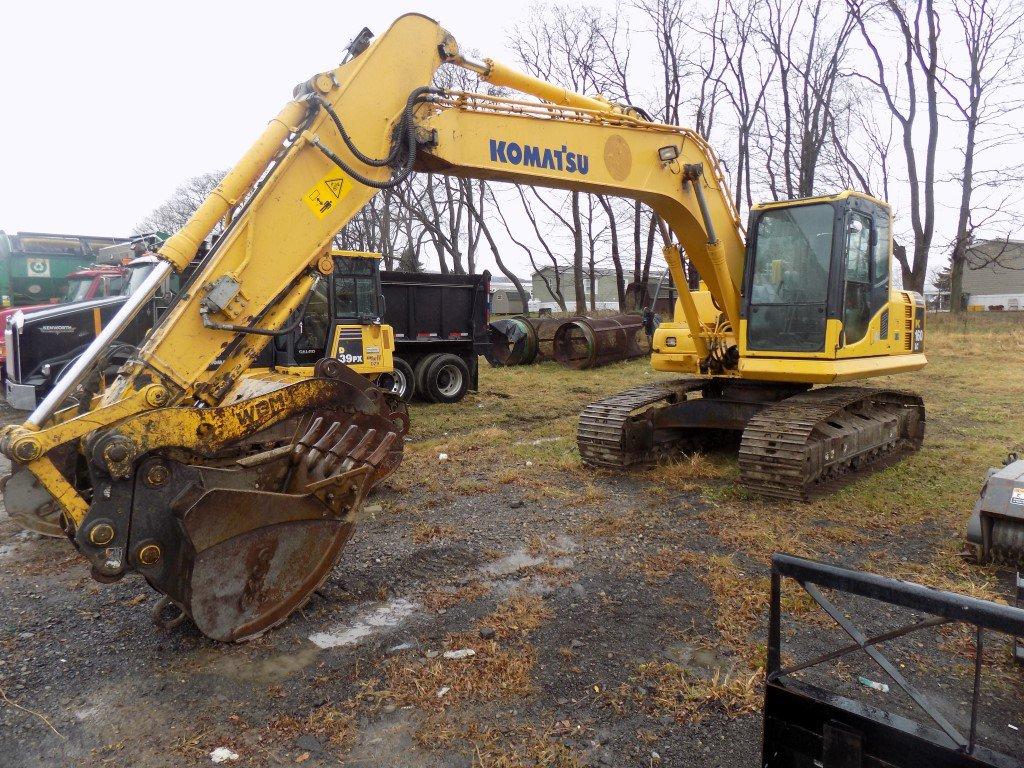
[[446, 379], [420, 375], [405, 383]]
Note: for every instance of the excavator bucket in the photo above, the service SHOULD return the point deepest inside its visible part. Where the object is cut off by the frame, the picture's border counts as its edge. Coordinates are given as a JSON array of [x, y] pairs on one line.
[[29, 504], [245, 556], [235, 532], [239, 546]]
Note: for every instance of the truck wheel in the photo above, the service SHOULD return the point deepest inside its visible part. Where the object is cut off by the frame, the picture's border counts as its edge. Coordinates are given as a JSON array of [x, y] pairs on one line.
[[447, 379], [420, 375], [405, 384]]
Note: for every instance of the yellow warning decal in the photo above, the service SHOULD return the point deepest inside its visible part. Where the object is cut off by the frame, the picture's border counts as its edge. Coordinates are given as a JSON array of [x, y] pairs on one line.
[[325, 194]]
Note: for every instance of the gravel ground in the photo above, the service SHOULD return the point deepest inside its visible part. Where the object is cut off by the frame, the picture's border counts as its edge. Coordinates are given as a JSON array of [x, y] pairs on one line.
[[88, 679]]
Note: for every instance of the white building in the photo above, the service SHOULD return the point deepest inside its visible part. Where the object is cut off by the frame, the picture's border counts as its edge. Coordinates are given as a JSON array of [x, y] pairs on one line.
[[994, 277]]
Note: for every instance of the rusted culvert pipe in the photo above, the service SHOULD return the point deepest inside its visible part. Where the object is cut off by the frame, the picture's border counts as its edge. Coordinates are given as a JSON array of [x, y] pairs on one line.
[[522, 340], [584, 342]]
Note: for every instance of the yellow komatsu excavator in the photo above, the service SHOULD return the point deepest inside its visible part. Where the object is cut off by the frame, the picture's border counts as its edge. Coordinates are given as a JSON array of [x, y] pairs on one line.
[[232, 491]]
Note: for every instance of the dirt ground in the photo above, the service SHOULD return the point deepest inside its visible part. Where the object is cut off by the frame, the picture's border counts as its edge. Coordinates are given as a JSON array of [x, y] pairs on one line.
[[615, 620]]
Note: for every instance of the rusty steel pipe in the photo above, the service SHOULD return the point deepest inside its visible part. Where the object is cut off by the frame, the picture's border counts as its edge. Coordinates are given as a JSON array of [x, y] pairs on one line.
[[522, 340], [590, 342]]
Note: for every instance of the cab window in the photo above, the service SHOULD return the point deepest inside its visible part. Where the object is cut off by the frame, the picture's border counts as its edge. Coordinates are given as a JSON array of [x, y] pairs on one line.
[[789, 289], [312, 339], [356, 288], [880, 264], [78, 290]]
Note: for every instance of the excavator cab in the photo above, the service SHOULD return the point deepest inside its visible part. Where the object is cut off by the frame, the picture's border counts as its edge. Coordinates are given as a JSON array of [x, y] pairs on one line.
[[817, 280]]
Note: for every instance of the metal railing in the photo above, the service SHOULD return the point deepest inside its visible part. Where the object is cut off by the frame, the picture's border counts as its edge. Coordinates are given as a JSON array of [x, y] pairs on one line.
[[940, 607]]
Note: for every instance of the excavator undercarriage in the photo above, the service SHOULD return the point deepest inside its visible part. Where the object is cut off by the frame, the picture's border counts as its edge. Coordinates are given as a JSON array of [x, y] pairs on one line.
[[797, 442]]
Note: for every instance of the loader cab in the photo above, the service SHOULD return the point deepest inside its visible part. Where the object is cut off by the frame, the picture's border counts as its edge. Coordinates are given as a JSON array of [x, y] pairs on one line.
[[817, 276], [343, 317], [356, 291]]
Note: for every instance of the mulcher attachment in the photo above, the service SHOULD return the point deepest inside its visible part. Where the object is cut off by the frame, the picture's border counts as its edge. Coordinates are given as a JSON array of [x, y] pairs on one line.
[[995, 532]]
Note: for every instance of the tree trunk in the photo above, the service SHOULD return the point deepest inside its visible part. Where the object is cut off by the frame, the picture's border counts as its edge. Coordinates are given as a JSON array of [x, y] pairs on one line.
[[471, 207], [577, 256], [620, 278]]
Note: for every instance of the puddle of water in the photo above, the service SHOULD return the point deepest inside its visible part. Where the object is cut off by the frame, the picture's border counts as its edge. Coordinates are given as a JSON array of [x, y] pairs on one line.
[[383, 617], [565, 543], [510, 564], [86, 713], [264, 671]]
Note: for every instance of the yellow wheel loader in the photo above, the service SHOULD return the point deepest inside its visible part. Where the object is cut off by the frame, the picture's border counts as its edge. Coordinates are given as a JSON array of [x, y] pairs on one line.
[[233, 494]]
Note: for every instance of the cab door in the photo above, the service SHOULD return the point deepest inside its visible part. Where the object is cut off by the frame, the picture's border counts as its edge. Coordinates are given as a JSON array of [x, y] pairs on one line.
[[856, 278], [310, 343], [865, 270], [357, 337], [789, 264]]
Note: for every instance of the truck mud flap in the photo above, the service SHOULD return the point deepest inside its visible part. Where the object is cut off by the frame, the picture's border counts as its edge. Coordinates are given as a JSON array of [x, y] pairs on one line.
[[807, 724]]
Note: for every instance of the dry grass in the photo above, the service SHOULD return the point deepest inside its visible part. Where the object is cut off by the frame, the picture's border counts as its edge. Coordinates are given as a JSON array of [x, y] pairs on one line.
[[424, 533], [495, 672], [516, 617], [688, 697], [500, 742], [443, 598], [523, 439], [500, 668], [332, 726]]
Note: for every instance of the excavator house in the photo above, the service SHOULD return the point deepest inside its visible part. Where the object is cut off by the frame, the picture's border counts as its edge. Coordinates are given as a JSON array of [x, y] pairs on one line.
[[232, 492]]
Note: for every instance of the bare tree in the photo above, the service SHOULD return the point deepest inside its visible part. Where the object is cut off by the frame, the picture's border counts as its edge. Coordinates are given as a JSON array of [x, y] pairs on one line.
[[613, 231], [982, 96], [172, 214], [496, 253], [917, 25], [564, 44], [554, 283], [745, 82], [809, 48]]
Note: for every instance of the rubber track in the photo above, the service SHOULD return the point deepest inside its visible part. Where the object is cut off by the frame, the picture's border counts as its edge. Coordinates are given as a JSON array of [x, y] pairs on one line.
[[777, 453], [606, 434]]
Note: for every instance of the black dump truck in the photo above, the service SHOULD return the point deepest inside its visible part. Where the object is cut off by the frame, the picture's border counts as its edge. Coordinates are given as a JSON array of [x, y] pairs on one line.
[[440, 325]]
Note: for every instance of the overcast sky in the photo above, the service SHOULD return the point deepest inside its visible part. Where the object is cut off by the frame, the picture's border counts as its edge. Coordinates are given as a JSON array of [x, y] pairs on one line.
[[108, 106]]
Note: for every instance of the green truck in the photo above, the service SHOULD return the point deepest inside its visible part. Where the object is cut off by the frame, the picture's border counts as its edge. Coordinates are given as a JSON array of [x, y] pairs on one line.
[[34, 266]]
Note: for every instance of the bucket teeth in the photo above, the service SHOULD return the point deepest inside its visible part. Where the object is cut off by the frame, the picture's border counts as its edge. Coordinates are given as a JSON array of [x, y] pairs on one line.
[[250, 555]]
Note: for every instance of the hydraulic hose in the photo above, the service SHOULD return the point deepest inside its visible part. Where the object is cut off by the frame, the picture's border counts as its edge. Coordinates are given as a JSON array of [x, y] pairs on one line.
[[406, 129], [375, 162]]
